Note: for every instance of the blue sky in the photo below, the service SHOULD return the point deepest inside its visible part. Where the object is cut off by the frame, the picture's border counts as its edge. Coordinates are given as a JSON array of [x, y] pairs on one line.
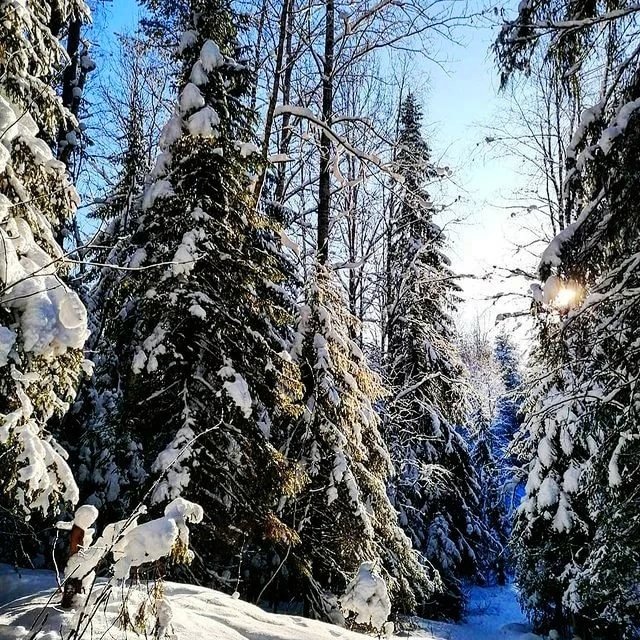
[[463, 101], [460, 98]]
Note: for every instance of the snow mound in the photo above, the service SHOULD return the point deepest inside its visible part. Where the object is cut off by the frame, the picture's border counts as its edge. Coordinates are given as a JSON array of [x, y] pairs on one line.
[[196, 612]]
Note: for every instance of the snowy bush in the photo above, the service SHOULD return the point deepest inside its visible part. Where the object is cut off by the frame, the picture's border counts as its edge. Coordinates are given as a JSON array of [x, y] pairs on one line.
[[367, 599], [126, 545]]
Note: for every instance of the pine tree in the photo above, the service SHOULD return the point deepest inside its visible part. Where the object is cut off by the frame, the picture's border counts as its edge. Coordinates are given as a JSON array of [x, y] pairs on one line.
[[435, 488], [577, 534], [204, 376], [43, 325]]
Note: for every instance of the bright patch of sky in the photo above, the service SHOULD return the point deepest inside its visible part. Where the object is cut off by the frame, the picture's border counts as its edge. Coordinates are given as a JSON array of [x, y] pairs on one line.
[[463, 100]]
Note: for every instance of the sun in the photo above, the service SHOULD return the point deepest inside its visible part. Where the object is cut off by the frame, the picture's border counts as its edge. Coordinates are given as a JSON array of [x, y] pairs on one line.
[[566, 297]]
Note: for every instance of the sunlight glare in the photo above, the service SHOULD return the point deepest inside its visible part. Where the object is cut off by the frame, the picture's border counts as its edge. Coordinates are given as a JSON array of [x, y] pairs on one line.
[[566, 297]]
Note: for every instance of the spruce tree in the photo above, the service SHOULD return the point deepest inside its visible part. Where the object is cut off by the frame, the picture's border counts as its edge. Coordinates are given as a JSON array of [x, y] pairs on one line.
[[577, 534], [204, 376], [106, 292], [43, 325], [508, 418], [435, 488], [485, 437], [343, 515], [543, 548]]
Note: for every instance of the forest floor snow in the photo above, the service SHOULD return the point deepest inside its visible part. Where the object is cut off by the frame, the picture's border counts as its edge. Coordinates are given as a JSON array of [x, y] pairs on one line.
[[493, 613], [27, 606]]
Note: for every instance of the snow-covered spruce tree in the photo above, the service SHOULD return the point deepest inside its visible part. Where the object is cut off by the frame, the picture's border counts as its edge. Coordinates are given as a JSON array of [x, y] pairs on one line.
[[576, 535], [582, 492], [106, 292], [508, 418], [508, 405], [205, 309], [343, 515], [485, 441], [43, 325], [546, 449], [435, 487]]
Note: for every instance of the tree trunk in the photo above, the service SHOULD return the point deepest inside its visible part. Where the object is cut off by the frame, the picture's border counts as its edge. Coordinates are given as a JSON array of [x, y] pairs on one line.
[[73, 584], [324, 189], [285, 139], [275, 90]]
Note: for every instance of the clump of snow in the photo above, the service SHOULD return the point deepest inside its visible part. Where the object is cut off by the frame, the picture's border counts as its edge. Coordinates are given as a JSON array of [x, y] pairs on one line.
[[546, 452], [204, 122], [146, 357], [187, 39], [367, 598], [156, 539], [552, 255], [162, 164], [587, 118], [548, 493], [85, 516], [171, 463], [237, 389], [618, 126], [615, 478], [184, 259], [197, 311], [247, 148], [171, 132], [198, 74], [156, 190], [210, 56], [571, 479], [191, 99], [131, 544]]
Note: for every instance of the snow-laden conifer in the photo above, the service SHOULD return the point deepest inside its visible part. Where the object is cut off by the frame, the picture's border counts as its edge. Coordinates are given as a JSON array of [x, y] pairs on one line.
[[43, 324], [435, 487], [343, 515], [110, 259], [485, 439], [576, 535], [205, 381]]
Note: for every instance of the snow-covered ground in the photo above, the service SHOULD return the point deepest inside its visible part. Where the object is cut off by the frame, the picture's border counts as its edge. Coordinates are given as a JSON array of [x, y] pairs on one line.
[[202, 613], [493, 614]]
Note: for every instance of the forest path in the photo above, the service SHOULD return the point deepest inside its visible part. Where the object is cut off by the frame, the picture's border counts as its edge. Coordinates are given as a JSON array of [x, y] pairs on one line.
[[493, 613]]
